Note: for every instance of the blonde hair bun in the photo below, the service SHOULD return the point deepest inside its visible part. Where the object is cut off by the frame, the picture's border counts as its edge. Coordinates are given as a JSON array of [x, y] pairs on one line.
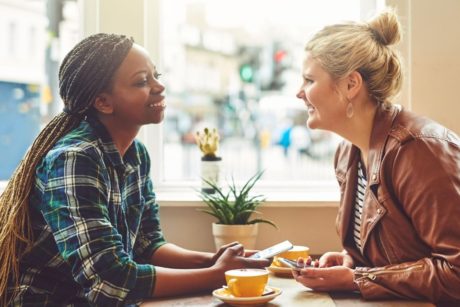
[[364, 47], [386, 27]]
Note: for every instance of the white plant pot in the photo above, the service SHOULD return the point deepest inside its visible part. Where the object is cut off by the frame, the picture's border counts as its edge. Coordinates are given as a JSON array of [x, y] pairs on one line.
[[245, 234], [210, 171]]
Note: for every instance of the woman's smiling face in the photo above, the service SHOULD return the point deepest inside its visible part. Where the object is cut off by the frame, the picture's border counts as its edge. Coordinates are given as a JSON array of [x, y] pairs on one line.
[[321, 95], [136, 94]]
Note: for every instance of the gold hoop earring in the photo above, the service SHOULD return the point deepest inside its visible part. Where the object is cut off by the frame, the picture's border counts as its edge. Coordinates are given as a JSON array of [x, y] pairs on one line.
[[350, 110]]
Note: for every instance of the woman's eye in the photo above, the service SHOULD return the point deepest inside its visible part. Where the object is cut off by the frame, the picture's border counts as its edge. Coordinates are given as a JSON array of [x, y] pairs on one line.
[[157, 75], [307, 81], [142, 83]]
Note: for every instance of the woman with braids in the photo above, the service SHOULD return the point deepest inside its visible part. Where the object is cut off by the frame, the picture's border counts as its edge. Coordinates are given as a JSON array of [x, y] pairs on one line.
[[79, 221], [399, 173]]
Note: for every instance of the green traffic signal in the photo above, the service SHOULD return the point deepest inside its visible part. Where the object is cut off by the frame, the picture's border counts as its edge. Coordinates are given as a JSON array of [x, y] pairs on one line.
[[246, 73]]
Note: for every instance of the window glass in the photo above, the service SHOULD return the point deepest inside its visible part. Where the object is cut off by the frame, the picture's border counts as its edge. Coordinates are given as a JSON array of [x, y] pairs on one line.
[[236, 66], [34, 35], [230, 65]]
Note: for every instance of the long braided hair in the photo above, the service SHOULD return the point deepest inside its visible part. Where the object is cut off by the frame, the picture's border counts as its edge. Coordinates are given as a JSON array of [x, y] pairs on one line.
[[86, 71]]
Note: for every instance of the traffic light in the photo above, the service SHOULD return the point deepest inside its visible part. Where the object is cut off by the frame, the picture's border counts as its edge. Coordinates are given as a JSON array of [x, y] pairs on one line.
[[279, 56], [246, 73], [249, 64], [279, 66]]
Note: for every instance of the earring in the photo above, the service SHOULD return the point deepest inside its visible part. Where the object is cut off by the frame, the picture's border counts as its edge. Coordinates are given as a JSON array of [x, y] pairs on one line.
[[350, 110]]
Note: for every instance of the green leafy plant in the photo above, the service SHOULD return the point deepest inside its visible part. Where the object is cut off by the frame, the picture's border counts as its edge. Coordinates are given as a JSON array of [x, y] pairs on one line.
[[236, 206]]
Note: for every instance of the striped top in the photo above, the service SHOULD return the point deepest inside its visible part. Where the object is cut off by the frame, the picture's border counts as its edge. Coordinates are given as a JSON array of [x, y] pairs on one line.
[[359, 200]]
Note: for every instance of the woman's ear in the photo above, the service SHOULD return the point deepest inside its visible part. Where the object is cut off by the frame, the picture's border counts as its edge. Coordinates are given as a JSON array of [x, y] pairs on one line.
[[103, 104], [354, 84]]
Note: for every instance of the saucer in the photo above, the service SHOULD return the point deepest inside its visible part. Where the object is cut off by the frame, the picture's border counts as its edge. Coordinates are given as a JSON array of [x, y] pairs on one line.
[[224, 295], [280, 271]]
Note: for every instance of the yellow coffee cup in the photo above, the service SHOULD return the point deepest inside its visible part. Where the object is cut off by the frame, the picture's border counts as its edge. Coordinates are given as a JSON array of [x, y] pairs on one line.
[[246, 282], [294, 253]]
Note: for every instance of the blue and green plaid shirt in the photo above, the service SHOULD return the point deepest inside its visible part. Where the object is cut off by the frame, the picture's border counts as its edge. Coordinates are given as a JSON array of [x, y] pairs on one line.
[[96, 224]]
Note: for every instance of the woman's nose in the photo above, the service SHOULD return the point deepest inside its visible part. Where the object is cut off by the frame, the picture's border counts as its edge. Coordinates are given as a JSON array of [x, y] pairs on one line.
[[157, 86], [300, 94]]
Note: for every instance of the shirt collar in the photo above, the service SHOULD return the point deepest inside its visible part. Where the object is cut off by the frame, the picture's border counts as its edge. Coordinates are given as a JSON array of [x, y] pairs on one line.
[[383, 122], [131, 158]]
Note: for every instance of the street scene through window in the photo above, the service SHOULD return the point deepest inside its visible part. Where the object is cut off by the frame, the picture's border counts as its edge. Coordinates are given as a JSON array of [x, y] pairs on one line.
[[234, 66]]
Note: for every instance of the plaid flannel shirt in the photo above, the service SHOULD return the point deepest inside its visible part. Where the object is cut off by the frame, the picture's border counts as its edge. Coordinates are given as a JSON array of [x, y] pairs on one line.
[[96, 224]]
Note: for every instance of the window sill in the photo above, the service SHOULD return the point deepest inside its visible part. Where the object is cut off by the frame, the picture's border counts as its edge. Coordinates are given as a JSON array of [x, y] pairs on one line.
[[193, 201], [185, 195], [314, 195]]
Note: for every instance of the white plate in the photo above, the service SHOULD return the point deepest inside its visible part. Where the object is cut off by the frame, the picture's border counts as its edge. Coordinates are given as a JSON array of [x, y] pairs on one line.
[[280, 271], [224, 295]]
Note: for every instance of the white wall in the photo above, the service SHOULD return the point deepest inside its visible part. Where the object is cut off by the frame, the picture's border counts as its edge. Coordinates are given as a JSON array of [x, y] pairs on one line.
[[431, 49], [314, 227]]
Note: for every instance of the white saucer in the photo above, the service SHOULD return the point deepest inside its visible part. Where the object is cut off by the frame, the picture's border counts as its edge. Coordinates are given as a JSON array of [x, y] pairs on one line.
[[280, 271], [224, 295]]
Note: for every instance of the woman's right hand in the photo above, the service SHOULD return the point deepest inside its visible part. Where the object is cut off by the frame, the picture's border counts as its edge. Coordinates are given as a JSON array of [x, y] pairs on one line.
[[221, 250], [330, 259], [233, 257]]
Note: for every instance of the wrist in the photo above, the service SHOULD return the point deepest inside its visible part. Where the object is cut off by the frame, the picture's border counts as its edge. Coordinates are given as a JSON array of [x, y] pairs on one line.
[[355, 285], [207, 260], [217, 275]]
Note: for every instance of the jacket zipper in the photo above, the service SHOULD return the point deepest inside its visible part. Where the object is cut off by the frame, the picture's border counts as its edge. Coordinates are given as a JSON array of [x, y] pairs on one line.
[[373, 276]]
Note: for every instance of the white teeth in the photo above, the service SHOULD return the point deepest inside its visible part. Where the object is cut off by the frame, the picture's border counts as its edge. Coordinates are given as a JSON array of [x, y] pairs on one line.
[[157, 105]]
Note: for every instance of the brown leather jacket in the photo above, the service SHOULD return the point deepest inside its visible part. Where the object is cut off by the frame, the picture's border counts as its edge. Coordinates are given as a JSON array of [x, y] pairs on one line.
[[410, 231]]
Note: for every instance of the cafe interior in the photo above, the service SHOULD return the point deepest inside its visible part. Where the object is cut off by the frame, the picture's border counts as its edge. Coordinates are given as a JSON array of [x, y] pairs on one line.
[[235, 66]]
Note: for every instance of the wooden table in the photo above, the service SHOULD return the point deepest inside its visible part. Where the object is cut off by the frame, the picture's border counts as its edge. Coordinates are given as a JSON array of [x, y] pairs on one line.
[[294, 294]]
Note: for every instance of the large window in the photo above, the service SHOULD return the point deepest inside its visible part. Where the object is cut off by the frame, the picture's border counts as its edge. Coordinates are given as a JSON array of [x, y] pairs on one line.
[[235, 66], [230, 65]]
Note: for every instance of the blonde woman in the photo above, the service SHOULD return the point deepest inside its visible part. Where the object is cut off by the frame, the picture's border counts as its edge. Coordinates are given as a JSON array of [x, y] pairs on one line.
[[79, 220], [399, 173]]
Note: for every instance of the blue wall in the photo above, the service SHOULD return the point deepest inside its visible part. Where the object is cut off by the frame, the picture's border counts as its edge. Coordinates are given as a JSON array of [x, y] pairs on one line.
[[19, 123]]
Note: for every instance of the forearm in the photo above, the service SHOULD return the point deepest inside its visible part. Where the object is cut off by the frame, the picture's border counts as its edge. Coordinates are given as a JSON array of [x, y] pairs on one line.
[[177, 282], [181, 281], [430, 279], [173, 256]]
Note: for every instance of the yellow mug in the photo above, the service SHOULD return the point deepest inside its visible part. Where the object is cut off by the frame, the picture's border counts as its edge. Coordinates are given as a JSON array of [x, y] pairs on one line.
[[294, 253], [246, 282]]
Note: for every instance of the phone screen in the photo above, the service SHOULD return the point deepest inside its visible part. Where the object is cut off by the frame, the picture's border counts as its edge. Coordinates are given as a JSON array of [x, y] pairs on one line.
[[273, 250]]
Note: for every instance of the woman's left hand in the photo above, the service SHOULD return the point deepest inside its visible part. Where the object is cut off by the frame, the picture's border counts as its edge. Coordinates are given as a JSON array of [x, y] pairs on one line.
[[337, 278]]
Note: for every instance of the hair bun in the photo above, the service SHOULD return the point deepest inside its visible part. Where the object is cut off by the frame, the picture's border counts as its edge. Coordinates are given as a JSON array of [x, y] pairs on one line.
[[386, 27]]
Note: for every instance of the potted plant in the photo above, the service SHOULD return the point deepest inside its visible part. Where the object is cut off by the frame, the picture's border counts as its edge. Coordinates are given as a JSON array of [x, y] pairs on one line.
[[233, 210], [208, 143]]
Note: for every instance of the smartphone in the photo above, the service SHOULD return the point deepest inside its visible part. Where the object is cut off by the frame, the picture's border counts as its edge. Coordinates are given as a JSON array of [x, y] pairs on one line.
[[273, 250], [290, 263]]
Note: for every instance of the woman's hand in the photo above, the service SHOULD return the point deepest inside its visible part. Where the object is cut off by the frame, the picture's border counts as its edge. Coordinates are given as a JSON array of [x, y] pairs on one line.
[[221, 251], [331, 259], [250, 252], [232, 256], [336, 278], [333, 271]]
